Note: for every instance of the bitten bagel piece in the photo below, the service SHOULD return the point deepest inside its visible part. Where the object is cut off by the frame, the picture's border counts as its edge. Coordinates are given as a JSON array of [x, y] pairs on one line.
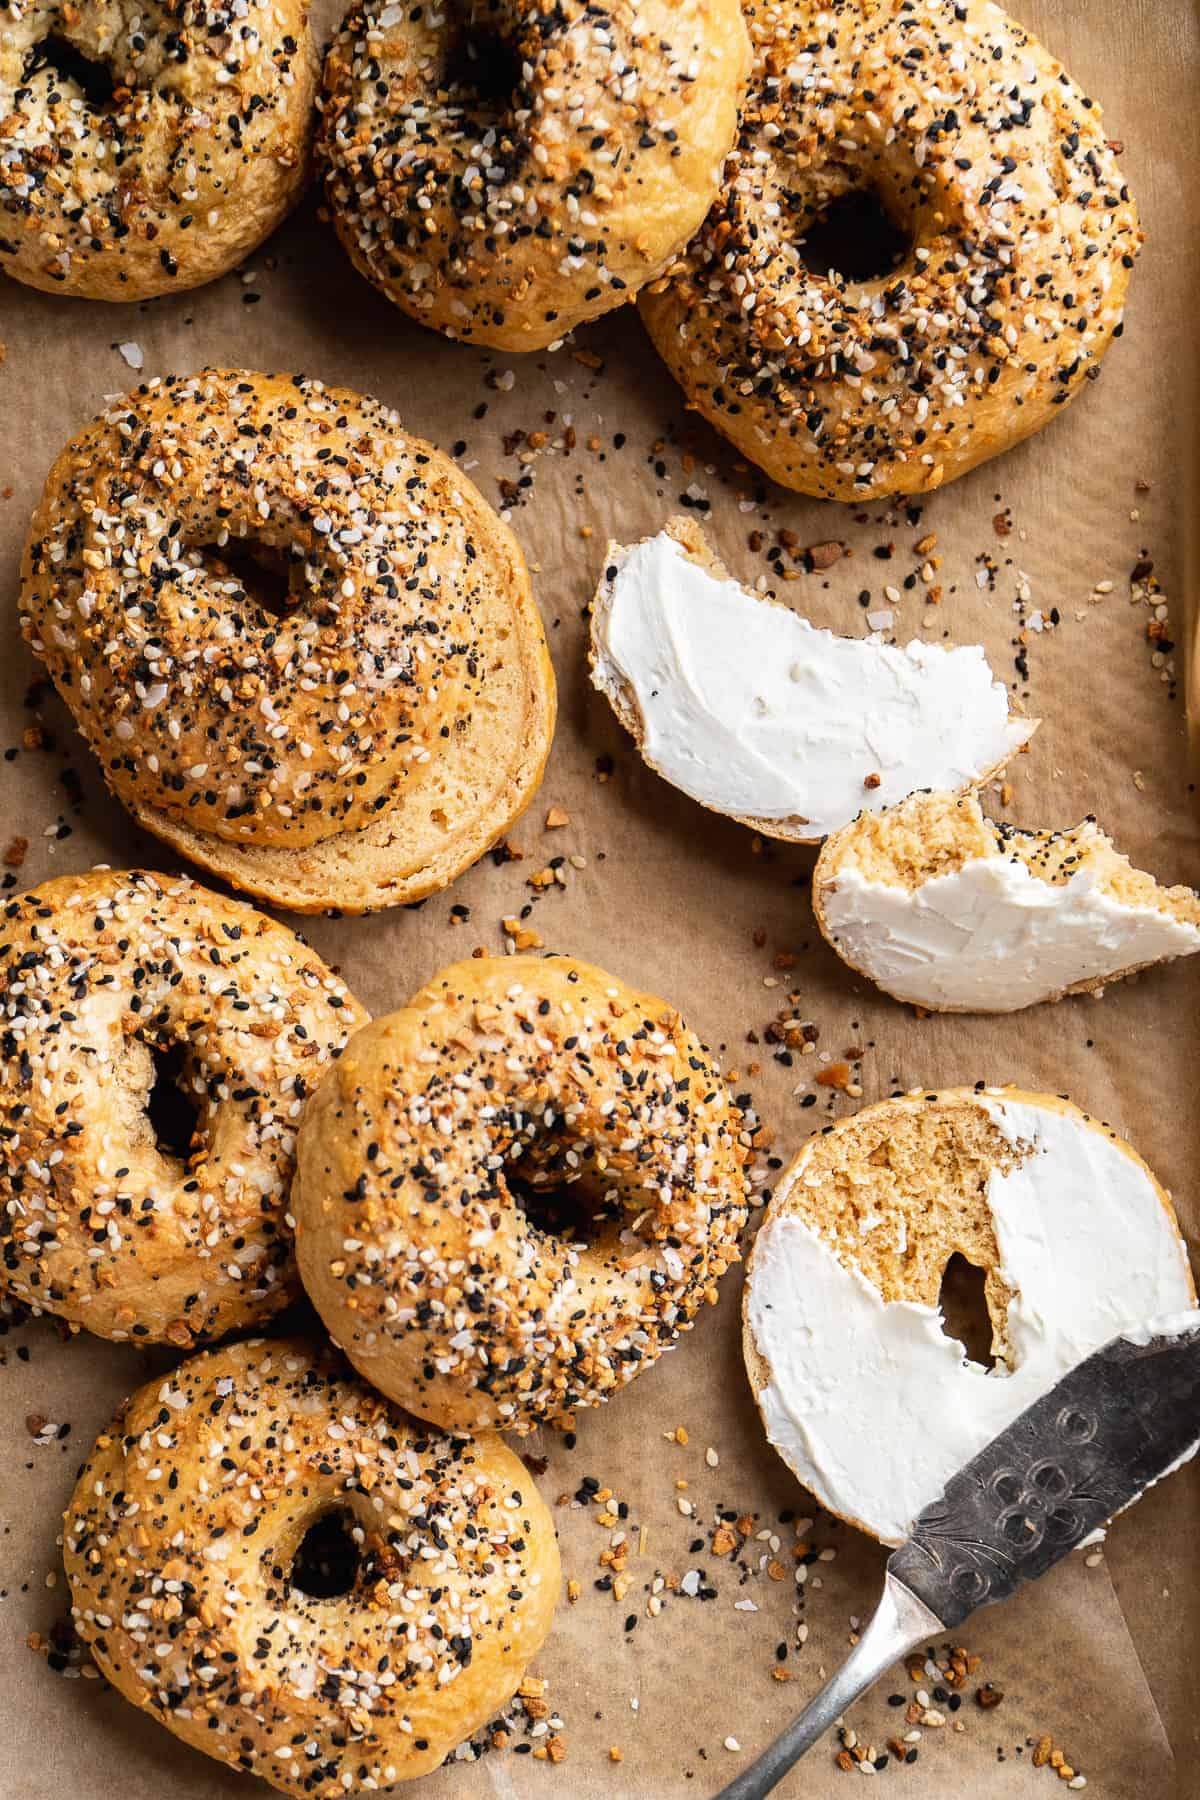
[[863, 1393], [504, 170], [753, 712], [944, 908], [302, 645], [519, 1191], [982, 306], [184, 1545], [157, 1045], [148, 145]]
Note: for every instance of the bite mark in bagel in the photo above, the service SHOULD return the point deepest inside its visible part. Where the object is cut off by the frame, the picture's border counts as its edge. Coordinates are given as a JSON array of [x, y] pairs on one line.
[[948, 910]]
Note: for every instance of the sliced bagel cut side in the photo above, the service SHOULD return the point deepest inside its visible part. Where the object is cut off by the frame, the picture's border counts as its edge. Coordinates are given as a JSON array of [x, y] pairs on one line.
[[944, 908], [753, 712], [863, 1393]]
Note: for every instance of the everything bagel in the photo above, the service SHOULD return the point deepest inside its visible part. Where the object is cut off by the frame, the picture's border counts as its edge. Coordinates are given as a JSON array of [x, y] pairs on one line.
[[1021, 234], [183, 1547], [355, 740], [505, 1075], [107, 982], [148, 145], [505, 169]]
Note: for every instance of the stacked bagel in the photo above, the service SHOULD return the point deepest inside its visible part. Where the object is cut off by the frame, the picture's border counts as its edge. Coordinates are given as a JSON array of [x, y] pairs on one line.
[[355, 740]]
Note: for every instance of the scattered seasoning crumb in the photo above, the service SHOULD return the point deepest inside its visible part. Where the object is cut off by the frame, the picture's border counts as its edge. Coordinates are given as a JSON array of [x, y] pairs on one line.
[[823, 556]]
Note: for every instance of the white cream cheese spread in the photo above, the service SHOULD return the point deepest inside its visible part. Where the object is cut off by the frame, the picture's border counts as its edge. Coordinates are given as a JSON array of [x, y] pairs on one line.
[[872, 1406], [992, 936], [752, 711]]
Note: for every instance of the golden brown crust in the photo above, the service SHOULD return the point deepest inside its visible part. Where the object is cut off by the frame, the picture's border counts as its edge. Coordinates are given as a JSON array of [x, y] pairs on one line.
[[184, 1529], [508, 206], [1022, 230], [100, 975], [353, 740], [428, 1272], [109, 188]]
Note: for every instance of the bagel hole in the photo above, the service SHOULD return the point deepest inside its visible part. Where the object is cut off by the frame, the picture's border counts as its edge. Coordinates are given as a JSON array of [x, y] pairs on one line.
[[326, 1563], [173, 1112], [94, 79], [484, 68], [570, 1210], [855, 238], [963, 1300], [264, 573]]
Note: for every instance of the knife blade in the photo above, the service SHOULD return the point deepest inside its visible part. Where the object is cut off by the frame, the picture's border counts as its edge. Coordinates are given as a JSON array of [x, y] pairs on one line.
[[1122, 1419]]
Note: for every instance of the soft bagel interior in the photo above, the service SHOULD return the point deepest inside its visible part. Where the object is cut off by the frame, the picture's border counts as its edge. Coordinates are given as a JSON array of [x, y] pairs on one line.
[[936, 834]]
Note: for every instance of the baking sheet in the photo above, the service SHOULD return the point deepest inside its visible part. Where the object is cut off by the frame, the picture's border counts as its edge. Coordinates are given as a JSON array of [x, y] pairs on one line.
[[1100, 1657]]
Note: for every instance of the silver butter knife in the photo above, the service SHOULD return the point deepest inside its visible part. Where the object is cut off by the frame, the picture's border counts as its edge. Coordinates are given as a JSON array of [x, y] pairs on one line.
[[1121, 1420]]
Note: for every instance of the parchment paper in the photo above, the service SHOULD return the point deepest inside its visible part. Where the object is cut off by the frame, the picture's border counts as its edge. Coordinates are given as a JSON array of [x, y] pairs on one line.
[[1101, 1656]]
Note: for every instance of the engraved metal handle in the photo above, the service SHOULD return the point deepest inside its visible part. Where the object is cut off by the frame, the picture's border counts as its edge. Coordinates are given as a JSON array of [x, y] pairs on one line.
[[1074, 1459], [899, 1623], [1123, 1418]]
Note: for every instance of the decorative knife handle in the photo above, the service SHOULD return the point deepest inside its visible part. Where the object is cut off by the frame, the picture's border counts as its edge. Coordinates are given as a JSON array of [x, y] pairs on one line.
[[900, 1622], [1075, 1458], [1113, 1426]]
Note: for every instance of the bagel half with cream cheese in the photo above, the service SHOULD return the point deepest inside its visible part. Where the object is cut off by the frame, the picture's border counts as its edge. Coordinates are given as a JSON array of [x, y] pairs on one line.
[[942, 907], [862, 1392], [753, 712]]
